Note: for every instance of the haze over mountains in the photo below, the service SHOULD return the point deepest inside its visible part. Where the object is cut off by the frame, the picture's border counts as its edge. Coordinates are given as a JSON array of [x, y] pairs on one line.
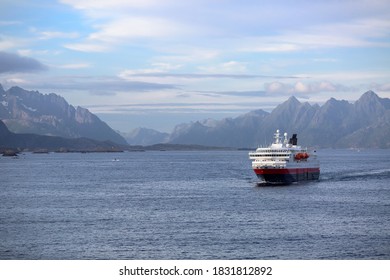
[[337, 123]]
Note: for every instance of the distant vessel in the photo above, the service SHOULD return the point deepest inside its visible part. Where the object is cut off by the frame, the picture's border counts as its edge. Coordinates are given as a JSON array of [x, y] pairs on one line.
[[284, 162]]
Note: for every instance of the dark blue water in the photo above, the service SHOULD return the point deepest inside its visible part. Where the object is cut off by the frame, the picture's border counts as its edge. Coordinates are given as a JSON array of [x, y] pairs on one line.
[[191, 205]]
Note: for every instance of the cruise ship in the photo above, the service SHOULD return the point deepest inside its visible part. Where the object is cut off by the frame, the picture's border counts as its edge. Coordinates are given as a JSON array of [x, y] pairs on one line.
[[284, 162]]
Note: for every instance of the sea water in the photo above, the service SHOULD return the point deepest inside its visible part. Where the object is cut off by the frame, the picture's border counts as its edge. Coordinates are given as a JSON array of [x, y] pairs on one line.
[[191, 205]]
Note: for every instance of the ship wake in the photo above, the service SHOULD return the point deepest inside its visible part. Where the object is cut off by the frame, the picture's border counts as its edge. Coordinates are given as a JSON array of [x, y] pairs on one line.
[[357, 175]]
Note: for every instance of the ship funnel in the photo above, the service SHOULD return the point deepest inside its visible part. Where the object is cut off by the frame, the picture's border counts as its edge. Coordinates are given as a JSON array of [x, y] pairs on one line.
[[293, 140]]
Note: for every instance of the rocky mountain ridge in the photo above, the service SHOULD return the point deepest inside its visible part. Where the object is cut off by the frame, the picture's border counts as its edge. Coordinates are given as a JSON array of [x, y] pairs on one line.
[[50, 114], [145, 136], [17, 142], [336, 124]]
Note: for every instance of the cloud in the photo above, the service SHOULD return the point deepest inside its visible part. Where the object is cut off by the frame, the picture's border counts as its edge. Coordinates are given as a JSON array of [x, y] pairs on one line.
[[303, 88], [175, 107], [187, 54], [225, 67], [381, 87], [196, 81], [96, 85], [8, 42], [271, 45], [136, 27], [9, 22], [111, 5], [353, 33], [127, 30], [10, 62], [98, 92], [88, 47], [45, 35], [168, 28], [75, 66], [131, 73], [157, 68], [247, 93]]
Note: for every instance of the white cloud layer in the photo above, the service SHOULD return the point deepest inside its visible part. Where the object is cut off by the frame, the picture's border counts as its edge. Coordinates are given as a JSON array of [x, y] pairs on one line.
[[170, 20], [199, 51], [112, 4], [304, 87]]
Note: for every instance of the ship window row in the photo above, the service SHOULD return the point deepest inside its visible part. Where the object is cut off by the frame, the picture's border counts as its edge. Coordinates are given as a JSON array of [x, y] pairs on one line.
[[275, 151], [271, 155]]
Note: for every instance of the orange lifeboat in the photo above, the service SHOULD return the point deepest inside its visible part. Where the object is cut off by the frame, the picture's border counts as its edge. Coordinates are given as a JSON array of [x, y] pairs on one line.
[[300, 156]]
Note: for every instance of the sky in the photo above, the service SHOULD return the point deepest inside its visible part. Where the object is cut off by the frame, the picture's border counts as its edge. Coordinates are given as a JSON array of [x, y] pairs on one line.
[[159, 63]]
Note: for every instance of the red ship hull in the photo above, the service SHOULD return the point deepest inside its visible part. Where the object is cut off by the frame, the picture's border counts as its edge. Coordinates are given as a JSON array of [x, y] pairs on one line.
[[287, 175]]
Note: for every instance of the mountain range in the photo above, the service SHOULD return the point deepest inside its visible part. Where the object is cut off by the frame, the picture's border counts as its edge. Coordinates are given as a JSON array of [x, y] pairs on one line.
[[336, 124], [14, 142], [145, 136], [50, 114]]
